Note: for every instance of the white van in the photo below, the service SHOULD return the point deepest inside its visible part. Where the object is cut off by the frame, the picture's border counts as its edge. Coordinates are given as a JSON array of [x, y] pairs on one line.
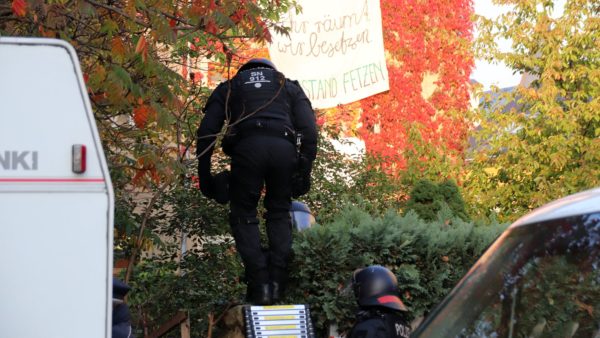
[[56, 197]]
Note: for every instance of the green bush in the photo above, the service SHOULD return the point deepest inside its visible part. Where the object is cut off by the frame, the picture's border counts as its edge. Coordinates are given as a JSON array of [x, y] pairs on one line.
[[428, 198], [207, 282], [427, 257]]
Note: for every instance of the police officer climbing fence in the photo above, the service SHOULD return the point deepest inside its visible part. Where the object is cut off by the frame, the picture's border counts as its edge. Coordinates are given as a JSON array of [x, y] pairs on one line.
[[381, 312], [271, 138]]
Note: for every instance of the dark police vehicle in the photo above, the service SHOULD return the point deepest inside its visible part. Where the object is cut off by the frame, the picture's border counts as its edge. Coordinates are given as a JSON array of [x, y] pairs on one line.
[[540, 278]]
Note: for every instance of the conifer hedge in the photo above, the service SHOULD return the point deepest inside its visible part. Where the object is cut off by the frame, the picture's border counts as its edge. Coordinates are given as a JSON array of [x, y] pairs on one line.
[[428, 258]]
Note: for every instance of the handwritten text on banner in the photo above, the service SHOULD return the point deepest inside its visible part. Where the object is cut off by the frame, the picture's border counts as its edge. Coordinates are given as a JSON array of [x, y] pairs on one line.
[[335, 50]]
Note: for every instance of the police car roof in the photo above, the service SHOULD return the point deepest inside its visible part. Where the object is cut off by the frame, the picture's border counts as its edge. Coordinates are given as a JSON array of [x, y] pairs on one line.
[[585, 202]]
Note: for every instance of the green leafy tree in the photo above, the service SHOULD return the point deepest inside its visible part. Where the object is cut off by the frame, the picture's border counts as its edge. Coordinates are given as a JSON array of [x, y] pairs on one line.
[[542, 141], [339, 180]]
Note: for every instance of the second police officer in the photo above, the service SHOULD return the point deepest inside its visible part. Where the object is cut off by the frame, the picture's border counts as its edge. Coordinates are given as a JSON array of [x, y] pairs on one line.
[[381, 313], [271, 138]]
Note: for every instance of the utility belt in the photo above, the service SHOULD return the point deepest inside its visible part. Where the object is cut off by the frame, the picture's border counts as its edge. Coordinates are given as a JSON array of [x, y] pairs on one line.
[[257, 127]]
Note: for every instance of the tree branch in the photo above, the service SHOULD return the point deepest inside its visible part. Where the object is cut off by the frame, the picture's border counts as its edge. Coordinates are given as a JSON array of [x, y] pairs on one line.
[[138, 244], [118, 11]]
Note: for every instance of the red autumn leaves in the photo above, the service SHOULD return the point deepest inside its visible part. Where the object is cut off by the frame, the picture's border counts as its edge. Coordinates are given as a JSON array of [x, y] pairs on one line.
[[141, 48], [422, 38], [142, 114], [19, 7]]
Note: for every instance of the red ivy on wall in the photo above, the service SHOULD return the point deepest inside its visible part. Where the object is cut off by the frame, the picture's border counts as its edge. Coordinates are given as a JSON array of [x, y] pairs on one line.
[[421, 37]]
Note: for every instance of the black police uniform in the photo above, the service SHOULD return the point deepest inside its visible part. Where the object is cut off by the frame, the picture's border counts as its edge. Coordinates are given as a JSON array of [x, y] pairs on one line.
[[121, 318], [380, 323], [264, 110]]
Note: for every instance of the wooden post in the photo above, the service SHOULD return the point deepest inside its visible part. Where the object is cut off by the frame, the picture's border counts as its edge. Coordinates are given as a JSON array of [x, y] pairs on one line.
[[185, 327], [179, 318]]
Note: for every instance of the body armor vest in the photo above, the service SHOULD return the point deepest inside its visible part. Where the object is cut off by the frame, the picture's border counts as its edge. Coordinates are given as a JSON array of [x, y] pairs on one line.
[[260, 93], [259, 105], [370, 320]]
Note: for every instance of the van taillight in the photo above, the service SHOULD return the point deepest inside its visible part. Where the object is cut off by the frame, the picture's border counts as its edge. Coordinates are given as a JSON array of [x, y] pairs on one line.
[[79, 158]]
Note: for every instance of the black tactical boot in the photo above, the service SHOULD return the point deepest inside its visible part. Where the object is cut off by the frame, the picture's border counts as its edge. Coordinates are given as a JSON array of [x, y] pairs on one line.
[[261, 295], [279, 279], [277, 291]]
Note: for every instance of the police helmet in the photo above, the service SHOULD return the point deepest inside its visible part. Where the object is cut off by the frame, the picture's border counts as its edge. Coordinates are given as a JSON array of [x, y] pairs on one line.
[[120, 290], [375, 285], [302, 218], [258, 63]]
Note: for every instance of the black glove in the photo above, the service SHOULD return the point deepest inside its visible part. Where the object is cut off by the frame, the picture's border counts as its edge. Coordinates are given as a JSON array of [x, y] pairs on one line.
[[301, 177], [207, 186], [207, 183], [221, 185]]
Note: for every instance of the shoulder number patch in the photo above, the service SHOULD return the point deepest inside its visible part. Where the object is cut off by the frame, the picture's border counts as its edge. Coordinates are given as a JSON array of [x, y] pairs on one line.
[[257, 78]]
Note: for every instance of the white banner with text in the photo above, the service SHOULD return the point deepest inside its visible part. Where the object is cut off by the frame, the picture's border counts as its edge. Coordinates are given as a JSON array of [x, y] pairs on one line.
[[335, 50]]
